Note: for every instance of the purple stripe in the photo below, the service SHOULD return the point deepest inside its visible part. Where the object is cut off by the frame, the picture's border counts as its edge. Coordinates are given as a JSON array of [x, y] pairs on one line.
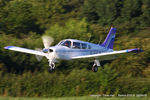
[[111, 43], [112, 31], [7, 47], [136, 50], [111, 35]]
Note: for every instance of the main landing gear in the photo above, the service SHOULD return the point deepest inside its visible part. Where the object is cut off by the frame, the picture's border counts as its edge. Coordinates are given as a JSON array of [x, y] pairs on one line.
[[94, 68], [95, 65]]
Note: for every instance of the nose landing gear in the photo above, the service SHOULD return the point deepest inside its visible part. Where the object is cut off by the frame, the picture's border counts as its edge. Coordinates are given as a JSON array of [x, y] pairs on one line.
[[51, 66]]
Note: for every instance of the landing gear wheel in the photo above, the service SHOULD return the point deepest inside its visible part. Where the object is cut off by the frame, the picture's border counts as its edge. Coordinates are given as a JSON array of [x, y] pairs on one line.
[[95, 68], [51, 68]]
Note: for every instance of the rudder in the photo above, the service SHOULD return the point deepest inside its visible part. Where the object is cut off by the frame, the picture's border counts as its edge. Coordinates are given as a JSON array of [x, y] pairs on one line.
[[109, 41]]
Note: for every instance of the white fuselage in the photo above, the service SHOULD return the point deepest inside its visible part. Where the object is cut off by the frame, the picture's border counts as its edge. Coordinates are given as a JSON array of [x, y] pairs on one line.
[[76, 48]]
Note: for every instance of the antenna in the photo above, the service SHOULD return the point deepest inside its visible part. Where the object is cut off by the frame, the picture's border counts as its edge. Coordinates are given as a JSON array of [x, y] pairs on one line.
[[100, 39], [89, 39], [90, 36]]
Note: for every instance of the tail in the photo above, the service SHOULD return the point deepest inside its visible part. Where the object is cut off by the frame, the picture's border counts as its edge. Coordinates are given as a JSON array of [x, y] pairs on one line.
[[109, 41]]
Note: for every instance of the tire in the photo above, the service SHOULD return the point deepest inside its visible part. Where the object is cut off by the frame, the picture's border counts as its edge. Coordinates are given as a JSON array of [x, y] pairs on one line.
[[50, 69], [95, 68]]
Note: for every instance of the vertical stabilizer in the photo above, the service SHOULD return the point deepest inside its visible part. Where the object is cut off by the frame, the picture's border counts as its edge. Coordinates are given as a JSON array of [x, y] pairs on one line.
[[109, 41]]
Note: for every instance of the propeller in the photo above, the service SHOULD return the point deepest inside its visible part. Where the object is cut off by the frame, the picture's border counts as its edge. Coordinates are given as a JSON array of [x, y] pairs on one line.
[[47, 41], [39, 58]]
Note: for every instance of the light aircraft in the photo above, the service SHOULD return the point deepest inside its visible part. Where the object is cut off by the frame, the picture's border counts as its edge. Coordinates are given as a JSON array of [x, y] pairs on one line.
[[69, 49]]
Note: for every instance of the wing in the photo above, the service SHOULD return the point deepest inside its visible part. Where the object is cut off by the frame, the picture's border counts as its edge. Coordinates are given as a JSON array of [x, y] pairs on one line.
[[108, 55], [30, 51]]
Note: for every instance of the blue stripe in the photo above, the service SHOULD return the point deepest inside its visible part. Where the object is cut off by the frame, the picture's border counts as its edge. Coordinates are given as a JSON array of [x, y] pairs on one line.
[[8, 47]]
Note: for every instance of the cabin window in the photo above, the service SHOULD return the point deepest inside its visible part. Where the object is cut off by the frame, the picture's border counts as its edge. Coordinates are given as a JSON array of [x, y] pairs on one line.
[[67, 44], [76, 45], [89, 47], [84, 46]]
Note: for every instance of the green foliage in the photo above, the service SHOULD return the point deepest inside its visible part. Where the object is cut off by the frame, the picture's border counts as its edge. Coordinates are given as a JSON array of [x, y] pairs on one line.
[[89, 10], [102, 11], [73, 28], [107, 11], [23, 22], [72, 98], [17, 18], [77, 83], [46, 12], [19, 62], [131, 9], [145, 19]]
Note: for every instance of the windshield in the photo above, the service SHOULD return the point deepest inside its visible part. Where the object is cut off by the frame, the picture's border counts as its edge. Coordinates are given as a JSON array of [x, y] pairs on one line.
[[60, 43], [65, 43]]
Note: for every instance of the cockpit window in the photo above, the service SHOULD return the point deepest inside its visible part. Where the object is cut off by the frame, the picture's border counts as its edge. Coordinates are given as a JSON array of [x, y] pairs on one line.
[[84, 46], [66, 43], [76, 45]]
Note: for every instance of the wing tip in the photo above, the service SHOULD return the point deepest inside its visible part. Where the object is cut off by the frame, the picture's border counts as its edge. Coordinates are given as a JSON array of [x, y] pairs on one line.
[[135, 50], [8, 47]]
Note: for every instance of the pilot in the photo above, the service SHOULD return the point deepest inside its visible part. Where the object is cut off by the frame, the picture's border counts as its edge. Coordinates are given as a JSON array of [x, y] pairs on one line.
[[67, 44]]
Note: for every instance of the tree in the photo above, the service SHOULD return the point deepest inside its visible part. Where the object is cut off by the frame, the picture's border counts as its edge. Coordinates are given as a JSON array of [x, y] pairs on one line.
[[17, 18], [145, 17], [103, 12], [107, 11], [131, 9], [89, 11], [48, 12], [74, 29]]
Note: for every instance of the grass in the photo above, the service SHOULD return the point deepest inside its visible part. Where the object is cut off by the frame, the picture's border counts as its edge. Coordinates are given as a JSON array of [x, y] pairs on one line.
[[72, 98]]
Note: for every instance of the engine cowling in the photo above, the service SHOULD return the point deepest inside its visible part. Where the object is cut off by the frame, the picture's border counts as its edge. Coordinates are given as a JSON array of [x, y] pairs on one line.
[[47, 50]]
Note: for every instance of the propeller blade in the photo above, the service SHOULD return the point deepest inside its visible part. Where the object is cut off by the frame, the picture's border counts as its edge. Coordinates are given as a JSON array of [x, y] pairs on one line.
[[47, 41], [39, 58]]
